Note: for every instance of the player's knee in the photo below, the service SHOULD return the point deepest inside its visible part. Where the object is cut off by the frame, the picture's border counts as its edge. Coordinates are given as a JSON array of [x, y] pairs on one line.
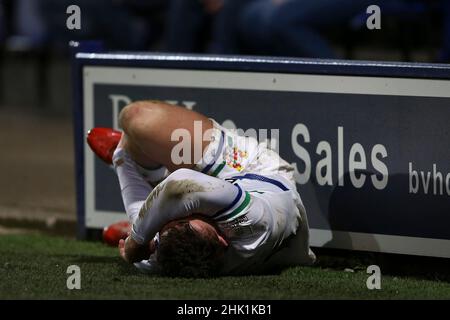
[[127, 115], [139, 116]]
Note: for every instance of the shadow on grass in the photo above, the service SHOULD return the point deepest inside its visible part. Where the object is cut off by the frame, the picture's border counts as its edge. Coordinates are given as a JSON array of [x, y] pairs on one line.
[[426, 268], [125, 269], [76, 258]]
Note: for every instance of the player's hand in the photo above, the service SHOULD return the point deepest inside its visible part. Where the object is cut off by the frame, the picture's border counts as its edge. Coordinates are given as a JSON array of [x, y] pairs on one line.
[[131, 251], [122, 249]]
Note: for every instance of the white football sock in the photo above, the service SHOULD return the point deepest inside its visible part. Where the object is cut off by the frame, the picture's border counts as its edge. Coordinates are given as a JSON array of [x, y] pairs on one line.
[[134, 188]]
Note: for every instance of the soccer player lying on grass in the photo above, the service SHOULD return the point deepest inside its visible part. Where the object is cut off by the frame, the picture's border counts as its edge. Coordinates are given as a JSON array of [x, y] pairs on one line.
[[231, 209]]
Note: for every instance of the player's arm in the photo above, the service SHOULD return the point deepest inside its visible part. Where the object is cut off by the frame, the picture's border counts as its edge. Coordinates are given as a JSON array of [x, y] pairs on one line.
[[134, 190], [131, 251], [183, 193]]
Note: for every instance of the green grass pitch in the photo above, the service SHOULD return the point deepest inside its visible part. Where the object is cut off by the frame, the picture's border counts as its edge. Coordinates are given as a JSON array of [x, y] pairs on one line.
[[35, 266]]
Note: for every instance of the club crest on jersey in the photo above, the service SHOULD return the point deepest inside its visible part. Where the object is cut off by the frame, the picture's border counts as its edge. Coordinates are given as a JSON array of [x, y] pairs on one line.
[[234, 156]]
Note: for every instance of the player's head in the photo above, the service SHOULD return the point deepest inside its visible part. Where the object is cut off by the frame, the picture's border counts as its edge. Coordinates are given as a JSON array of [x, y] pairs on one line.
[[190, 247]]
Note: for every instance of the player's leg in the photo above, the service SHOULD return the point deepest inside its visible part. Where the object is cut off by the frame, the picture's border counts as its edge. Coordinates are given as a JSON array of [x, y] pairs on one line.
[[136, 154], [150, 125]]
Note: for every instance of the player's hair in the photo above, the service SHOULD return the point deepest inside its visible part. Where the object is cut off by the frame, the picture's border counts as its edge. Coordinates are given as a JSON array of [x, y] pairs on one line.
[[183, 252]]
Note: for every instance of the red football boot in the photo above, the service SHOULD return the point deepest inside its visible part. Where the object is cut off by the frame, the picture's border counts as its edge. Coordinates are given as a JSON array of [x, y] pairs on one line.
[[103, 141], [113, 233]]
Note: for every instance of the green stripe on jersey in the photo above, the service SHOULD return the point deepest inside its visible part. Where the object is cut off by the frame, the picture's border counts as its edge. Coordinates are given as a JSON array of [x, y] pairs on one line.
[[239, 209], [218, 169]]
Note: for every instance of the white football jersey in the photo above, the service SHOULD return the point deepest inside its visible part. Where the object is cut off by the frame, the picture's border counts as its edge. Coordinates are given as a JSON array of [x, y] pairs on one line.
[[256, 213]]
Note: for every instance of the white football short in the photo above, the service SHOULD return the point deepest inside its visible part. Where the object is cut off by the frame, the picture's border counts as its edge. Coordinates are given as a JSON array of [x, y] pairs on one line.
[[230, 154]]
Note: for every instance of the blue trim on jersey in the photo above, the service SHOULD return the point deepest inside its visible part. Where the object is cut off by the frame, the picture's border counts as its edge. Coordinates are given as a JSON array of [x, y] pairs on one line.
[[218, 152], [232, 204], [253, 176]]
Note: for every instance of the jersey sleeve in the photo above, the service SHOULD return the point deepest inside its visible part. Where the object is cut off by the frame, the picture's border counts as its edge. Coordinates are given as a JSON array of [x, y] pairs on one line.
[[181, 194]]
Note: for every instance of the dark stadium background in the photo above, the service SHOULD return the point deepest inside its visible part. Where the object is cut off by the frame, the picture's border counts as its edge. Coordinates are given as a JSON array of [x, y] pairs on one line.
[[37, 185]]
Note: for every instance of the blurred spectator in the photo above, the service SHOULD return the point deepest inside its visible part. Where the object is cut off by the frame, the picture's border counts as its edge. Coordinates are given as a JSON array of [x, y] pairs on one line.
[[203, 25], [269, 27], [188, 24], [294, 27], [302, 28], [27, 24], [225, 33], [153, 15], [28, 19]]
